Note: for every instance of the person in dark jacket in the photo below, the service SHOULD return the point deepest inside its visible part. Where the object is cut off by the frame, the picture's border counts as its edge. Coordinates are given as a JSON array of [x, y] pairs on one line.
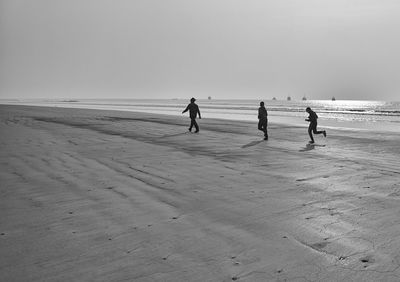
[[312, 128], [193, 111], [263, 120]]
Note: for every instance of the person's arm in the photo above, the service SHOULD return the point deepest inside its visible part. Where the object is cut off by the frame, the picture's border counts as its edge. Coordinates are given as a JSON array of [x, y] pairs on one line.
[[187, 108], [198, 111]]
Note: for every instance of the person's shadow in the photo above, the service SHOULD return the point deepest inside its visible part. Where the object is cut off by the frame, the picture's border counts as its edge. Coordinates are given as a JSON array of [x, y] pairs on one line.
[[253, 143], [310, 147], [173, 135]]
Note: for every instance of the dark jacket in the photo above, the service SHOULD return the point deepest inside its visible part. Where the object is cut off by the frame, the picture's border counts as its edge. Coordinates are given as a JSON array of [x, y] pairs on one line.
[[262, 113], [193, 110], [312, 117]]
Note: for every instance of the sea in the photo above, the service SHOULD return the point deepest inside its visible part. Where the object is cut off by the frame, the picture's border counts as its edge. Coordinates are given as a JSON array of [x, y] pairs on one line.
[[345, 114]]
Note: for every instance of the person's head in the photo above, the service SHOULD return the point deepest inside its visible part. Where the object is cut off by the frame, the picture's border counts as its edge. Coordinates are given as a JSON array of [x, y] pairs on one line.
[[308, 109], [192, 100], [261, 104]]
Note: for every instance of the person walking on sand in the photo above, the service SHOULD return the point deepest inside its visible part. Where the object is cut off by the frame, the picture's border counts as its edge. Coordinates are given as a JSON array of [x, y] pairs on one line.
[[312, 128], [263, 120], [193, 111]]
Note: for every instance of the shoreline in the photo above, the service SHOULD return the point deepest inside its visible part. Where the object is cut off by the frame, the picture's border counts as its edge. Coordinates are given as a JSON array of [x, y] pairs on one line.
[[275, 117], [114, 196]]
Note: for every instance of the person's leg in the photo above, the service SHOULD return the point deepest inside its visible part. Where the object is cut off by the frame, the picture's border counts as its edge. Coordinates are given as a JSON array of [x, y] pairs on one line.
[[318, 132], [265, 129], [310, 130], [260, 127], [191, 125], [195, 125]]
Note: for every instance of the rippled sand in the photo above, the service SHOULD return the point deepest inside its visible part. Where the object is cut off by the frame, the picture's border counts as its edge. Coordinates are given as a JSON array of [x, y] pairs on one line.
[[91, 195]]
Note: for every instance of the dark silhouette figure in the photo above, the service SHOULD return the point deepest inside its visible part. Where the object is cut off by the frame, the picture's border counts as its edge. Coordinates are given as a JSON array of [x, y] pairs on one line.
[[193, 111], [263, 120], [312, 128]]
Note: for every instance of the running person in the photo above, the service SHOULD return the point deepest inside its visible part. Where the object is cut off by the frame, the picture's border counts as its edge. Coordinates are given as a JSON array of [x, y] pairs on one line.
[[193, 111], [312, 128]]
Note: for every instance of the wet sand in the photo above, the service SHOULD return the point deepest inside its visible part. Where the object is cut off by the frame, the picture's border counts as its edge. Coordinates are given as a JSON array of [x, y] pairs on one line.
[[89, 195]]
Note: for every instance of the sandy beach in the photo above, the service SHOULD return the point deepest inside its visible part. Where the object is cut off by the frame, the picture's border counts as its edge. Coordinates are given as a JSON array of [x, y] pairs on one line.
[[90, 195]]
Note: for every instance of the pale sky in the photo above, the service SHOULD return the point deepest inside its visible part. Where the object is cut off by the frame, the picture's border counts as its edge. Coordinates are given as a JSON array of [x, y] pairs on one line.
[[226, 49]]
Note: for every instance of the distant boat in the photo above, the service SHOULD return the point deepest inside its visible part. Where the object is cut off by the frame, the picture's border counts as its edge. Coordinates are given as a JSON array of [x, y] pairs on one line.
[[288, 98], [274, 98], [333, 98], [304, 98]]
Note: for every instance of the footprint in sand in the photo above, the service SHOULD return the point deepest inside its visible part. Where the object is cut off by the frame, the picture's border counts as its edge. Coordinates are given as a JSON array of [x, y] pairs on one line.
[[367, 260]]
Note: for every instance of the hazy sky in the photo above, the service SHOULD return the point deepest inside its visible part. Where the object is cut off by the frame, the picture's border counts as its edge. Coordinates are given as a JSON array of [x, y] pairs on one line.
[[184, 48]]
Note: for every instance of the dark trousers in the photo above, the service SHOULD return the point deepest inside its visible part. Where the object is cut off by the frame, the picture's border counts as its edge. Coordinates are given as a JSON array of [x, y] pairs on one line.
[[193, 123], [262, 125], [312, 128]]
